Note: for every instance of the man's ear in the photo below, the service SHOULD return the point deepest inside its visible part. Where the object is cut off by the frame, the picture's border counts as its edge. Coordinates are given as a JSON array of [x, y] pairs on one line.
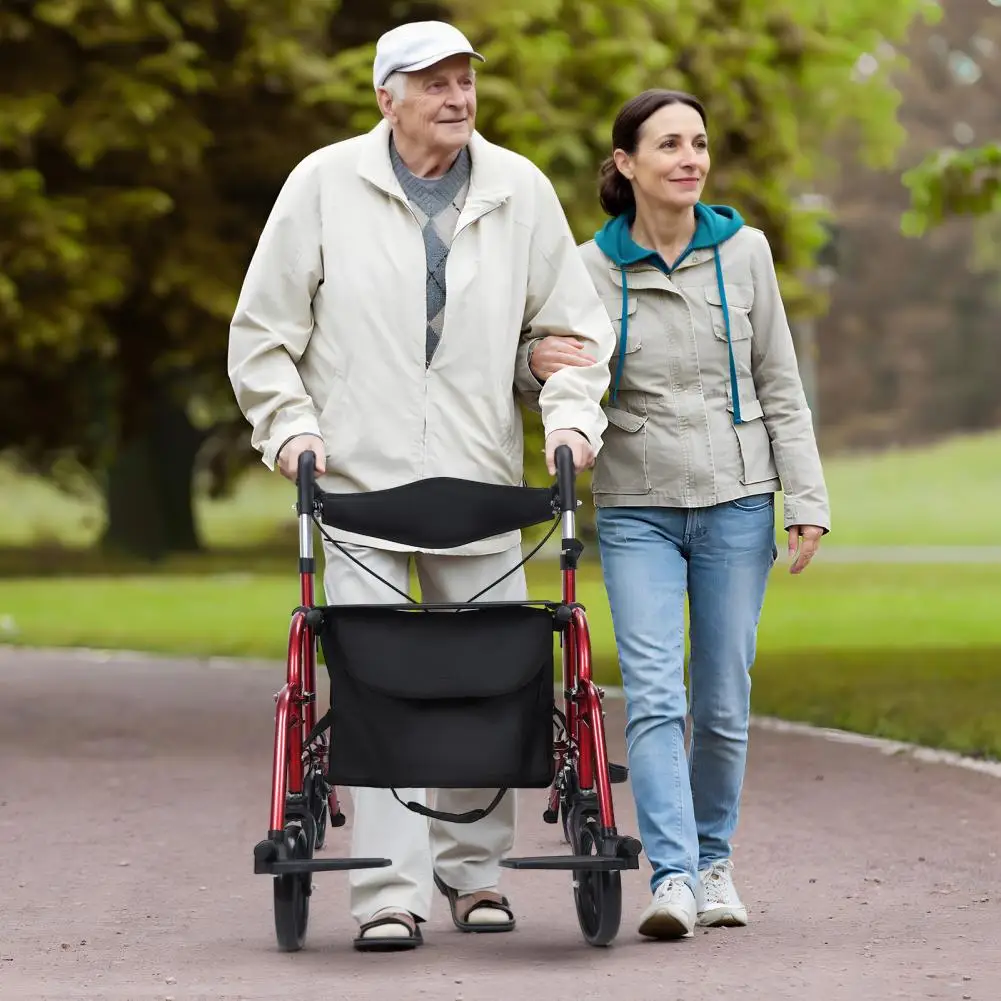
[[385, 99]]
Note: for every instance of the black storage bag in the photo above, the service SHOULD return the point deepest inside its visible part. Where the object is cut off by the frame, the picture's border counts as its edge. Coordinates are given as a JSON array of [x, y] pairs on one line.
[[440, 699]]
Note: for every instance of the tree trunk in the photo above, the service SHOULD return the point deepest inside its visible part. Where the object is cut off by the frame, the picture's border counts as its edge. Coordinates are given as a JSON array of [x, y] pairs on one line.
[[178, 444], [149, 491]]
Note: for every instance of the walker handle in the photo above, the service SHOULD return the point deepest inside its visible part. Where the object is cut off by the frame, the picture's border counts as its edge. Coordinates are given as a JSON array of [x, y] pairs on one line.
[[305, 481], [565, 479]]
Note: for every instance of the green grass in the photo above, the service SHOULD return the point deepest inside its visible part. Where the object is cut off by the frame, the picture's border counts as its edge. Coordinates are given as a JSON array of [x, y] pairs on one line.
[[908, 652], [911, 652], [34, 513], [945, 494]]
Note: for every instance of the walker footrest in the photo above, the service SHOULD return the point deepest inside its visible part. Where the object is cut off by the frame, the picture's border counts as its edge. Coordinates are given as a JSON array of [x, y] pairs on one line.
[[577, 863], [320, 865], [270, 859]]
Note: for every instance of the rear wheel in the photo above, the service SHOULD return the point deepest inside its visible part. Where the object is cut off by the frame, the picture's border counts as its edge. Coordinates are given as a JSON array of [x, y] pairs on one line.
[[597, 894], [292, 891]]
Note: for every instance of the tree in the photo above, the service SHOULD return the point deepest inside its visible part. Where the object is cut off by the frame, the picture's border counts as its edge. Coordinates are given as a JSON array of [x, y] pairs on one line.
[[953, 182], [142, 144], [908, 342], [961, 179]]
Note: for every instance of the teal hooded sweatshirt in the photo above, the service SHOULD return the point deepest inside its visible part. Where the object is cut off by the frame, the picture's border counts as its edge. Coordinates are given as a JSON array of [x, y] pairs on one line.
[[714, 225]]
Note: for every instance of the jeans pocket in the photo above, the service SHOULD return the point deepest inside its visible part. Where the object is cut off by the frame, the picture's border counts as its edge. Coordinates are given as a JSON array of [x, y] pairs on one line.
[[753, 502]]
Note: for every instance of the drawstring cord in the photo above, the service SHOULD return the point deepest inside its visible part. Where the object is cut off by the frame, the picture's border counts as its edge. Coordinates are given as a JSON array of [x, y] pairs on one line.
[[729, 344], [624, 331]]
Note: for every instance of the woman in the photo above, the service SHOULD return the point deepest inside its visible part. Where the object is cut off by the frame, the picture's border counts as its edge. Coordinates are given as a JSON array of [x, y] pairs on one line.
[[707, 419]]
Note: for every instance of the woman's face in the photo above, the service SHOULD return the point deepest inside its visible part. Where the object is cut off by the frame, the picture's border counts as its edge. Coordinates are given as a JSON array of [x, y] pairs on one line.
[[671, 161]]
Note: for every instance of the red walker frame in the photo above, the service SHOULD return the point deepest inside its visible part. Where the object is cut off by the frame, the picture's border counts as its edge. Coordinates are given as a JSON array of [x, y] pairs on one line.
[[295, 711], [584, 776]]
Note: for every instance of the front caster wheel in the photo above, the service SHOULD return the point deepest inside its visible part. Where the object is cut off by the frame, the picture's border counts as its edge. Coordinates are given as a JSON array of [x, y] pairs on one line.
[[292, 892], [597, 894]]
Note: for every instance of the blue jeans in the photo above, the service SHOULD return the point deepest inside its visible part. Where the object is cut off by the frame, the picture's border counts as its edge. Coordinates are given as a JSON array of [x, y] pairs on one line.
[[722, 557]]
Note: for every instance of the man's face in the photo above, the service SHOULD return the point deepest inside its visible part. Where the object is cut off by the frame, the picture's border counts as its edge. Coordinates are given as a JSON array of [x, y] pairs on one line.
[[438, 111]]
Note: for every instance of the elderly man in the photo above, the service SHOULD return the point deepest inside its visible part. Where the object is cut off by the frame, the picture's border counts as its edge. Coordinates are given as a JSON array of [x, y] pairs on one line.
[[385, 323]]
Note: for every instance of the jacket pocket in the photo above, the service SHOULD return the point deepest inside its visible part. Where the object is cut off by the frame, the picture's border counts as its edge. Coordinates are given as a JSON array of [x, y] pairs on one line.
[[613, 306], [739, 299], [755, 446], [621, 466]]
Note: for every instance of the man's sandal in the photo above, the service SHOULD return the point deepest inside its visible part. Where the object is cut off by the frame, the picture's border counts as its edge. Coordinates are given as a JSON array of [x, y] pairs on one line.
[[466, 904], [389, 943]]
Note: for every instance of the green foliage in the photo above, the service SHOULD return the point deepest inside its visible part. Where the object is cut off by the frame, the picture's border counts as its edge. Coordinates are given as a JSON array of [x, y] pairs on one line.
[[140, 147], [953, 182], [142, 144], [778, 78]]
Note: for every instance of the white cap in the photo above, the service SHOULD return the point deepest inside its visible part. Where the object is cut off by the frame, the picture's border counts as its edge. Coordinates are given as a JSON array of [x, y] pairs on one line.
[[417, 45]]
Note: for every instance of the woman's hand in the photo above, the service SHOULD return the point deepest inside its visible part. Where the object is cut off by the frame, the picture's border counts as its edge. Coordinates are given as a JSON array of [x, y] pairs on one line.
[[555, 352], [806, 540]]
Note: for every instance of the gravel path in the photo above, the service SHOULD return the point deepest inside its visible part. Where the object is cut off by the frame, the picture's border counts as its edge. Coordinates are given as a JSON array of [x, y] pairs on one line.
[[133, 791]]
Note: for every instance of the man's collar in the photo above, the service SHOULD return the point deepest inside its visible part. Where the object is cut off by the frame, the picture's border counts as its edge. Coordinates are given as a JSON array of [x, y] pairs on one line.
[[489, 184]]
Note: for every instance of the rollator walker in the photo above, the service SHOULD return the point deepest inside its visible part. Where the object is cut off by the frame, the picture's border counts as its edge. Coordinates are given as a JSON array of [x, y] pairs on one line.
[[457, 695]]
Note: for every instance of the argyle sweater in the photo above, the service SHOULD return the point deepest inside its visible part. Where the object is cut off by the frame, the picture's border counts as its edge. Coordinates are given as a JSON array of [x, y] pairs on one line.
[[437, 202]]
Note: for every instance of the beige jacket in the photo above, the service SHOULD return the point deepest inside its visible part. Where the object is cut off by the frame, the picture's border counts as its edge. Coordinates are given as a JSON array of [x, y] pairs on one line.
[[329, 331], [671, 438]]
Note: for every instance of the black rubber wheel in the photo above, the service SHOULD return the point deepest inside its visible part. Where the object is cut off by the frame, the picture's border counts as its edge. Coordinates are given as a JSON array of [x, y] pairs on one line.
[[597, 895], [292, 893]]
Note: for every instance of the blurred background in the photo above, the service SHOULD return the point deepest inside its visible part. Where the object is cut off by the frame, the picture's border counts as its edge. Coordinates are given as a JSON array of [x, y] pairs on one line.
[[143, 143]]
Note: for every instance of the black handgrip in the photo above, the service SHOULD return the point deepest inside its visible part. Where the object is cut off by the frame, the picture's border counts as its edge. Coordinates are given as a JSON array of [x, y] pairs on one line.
[[305, 480], [565, 478]]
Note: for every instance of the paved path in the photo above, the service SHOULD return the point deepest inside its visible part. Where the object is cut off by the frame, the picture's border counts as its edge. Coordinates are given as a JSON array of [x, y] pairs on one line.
[[132, 792]]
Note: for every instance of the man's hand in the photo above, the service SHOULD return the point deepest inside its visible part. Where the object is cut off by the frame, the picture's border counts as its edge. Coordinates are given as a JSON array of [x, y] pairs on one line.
[[288, 456], [583, 452], [805, 539], [555, 352]]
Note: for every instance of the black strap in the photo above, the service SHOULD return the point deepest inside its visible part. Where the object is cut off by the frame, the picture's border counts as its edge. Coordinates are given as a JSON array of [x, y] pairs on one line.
[[323, 723], [469, 817]]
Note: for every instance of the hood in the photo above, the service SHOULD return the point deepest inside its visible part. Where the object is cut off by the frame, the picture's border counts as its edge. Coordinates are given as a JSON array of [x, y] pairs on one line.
[[714, 224]]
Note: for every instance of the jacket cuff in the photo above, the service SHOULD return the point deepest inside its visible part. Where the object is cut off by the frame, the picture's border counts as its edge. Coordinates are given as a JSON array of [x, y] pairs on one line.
[[799, 513], [285, 433], [583, 434], [569, 419]]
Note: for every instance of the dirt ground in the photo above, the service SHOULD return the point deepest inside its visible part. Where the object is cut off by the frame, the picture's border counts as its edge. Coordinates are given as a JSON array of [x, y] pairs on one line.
[[132, 792]]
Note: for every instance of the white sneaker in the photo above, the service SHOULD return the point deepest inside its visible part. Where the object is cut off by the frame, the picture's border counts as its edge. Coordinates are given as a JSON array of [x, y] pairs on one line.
[[672, 912], [719, 905]]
